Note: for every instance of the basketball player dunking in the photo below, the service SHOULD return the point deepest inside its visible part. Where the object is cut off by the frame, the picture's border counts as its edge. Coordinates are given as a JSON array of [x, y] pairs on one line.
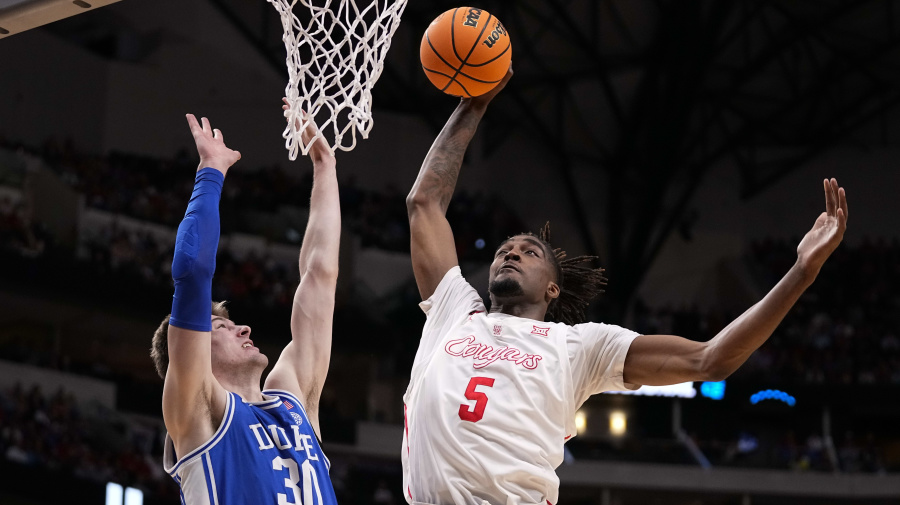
[[492, 396], [229, 442]]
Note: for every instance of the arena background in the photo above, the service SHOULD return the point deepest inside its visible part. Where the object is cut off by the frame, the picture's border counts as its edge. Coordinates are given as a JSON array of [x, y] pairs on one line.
[[682, 142]]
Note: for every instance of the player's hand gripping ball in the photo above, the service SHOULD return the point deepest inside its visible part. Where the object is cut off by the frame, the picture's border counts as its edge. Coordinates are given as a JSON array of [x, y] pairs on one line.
[[465, 52]]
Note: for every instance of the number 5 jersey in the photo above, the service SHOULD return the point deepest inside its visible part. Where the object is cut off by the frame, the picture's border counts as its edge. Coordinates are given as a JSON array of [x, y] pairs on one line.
[[492, 399], [262, 453]]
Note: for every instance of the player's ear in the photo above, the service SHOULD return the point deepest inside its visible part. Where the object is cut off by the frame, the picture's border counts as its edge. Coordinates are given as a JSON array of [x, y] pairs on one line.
[[552, 291]]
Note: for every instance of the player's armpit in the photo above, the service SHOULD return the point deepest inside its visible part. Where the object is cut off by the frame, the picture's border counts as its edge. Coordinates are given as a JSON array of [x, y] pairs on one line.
[[284, 376], [660, 360], [303, 365]]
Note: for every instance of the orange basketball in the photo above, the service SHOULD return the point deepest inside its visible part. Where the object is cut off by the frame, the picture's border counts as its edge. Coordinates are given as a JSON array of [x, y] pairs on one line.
[[465, 52]]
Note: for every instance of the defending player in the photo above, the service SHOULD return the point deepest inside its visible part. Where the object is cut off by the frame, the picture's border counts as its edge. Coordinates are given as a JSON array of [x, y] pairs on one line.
[[492, 396], [229, 442]]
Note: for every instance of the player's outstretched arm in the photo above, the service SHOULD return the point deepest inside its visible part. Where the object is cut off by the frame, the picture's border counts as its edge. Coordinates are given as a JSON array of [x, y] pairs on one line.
[[193, 401], [432, 247], [303, 364], [665, 359]]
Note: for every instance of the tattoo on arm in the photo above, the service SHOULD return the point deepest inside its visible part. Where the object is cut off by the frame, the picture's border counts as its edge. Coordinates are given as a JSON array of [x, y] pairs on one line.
[[442, 165]]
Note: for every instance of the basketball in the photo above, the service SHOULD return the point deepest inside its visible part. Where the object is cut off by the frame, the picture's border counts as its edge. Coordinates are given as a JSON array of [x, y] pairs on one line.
[[465, 52]]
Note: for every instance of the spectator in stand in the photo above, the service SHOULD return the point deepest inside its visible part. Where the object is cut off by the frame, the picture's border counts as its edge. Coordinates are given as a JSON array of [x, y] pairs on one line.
[[827, 338], [17, 230], [148, 189], [52, 433]]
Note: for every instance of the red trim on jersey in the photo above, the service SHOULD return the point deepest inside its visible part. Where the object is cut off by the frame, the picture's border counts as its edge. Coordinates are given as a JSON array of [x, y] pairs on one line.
[[568, 437], [406, 427]]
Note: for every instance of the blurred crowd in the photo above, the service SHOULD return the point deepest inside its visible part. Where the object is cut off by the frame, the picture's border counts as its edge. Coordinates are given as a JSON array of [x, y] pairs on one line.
[[53, 433], [756, 446], [157, 191], [846, 327], [776, 448], [844, 330], [253, 280], [18, 232]]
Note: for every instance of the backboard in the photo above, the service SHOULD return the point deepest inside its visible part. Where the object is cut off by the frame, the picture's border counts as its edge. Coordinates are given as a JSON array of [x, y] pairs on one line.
[[17, 16]]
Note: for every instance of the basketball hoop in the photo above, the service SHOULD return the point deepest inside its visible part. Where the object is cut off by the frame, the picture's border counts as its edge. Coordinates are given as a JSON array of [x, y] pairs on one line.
[[333, 62]]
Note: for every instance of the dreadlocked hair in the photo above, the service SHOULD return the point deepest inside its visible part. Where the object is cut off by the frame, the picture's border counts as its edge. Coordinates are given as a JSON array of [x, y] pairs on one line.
[[578, 282]]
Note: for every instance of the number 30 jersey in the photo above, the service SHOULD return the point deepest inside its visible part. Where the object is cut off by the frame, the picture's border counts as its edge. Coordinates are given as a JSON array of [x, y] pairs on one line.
[[262, 453], [492, 399]]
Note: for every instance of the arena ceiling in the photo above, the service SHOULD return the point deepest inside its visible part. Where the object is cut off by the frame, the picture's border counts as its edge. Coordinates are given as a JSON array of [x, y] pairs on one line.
[[654, 93]]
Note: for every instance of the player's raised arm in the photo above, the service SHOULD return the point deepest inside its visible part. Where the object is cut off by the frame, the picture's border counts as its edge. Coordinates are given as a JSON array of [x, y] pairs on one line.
[[303, 364], [666, 359], [432, 247], [193, 401]]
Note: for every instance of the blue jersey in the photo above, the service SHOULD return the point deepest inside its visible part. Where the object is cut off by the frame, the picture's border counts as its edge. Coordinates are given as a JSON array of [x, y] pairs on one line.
[[263, 453]]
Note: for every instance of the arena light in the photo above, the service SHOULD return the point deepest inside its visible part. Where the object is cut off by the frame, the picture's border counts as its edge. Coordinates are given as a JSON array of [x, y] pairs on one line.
[[116, 495], [134, 496], [713, 390], [618, 423], [772, 394], [580, 421], [683, 390]]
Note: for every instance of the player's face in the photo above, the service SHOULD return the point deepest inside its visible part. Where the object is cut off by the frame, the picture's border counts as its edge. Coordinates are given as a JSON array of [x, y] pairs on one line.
[[232, 347], [522, 271]]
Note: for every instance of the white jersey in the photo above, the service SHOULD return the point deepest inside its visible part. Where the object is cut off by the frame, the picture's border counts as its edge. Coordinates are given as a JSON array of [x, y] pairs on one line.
[[492, 399]]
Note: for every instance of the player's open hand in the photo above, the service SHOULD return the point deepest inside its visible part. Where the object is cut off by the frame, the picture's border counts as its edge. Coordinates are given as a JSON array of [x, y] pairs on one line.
[[211, 146], [827, 233], [320, 149]]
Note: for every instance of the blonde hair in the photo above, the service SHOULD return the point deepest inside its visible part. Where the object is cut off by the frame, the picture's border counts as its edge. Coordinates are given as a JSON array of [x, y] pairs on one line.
[[159, 348]]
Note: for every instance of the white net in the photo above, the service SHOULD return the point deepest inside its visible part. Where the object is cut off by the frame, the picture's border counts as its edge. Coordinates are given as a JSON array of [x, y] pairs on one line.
[[334, 58]]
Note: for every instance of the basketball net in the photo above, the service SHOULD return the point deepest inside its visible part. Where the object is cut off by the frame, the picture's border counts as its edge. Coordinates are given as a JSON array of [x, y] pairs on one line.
[[333, 62]]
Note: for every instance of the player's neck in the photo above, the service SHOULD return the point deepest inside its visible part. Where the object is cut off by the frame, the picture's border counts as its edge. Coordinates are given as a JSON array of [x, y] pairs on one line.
[[525, 310], [245, 387]]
